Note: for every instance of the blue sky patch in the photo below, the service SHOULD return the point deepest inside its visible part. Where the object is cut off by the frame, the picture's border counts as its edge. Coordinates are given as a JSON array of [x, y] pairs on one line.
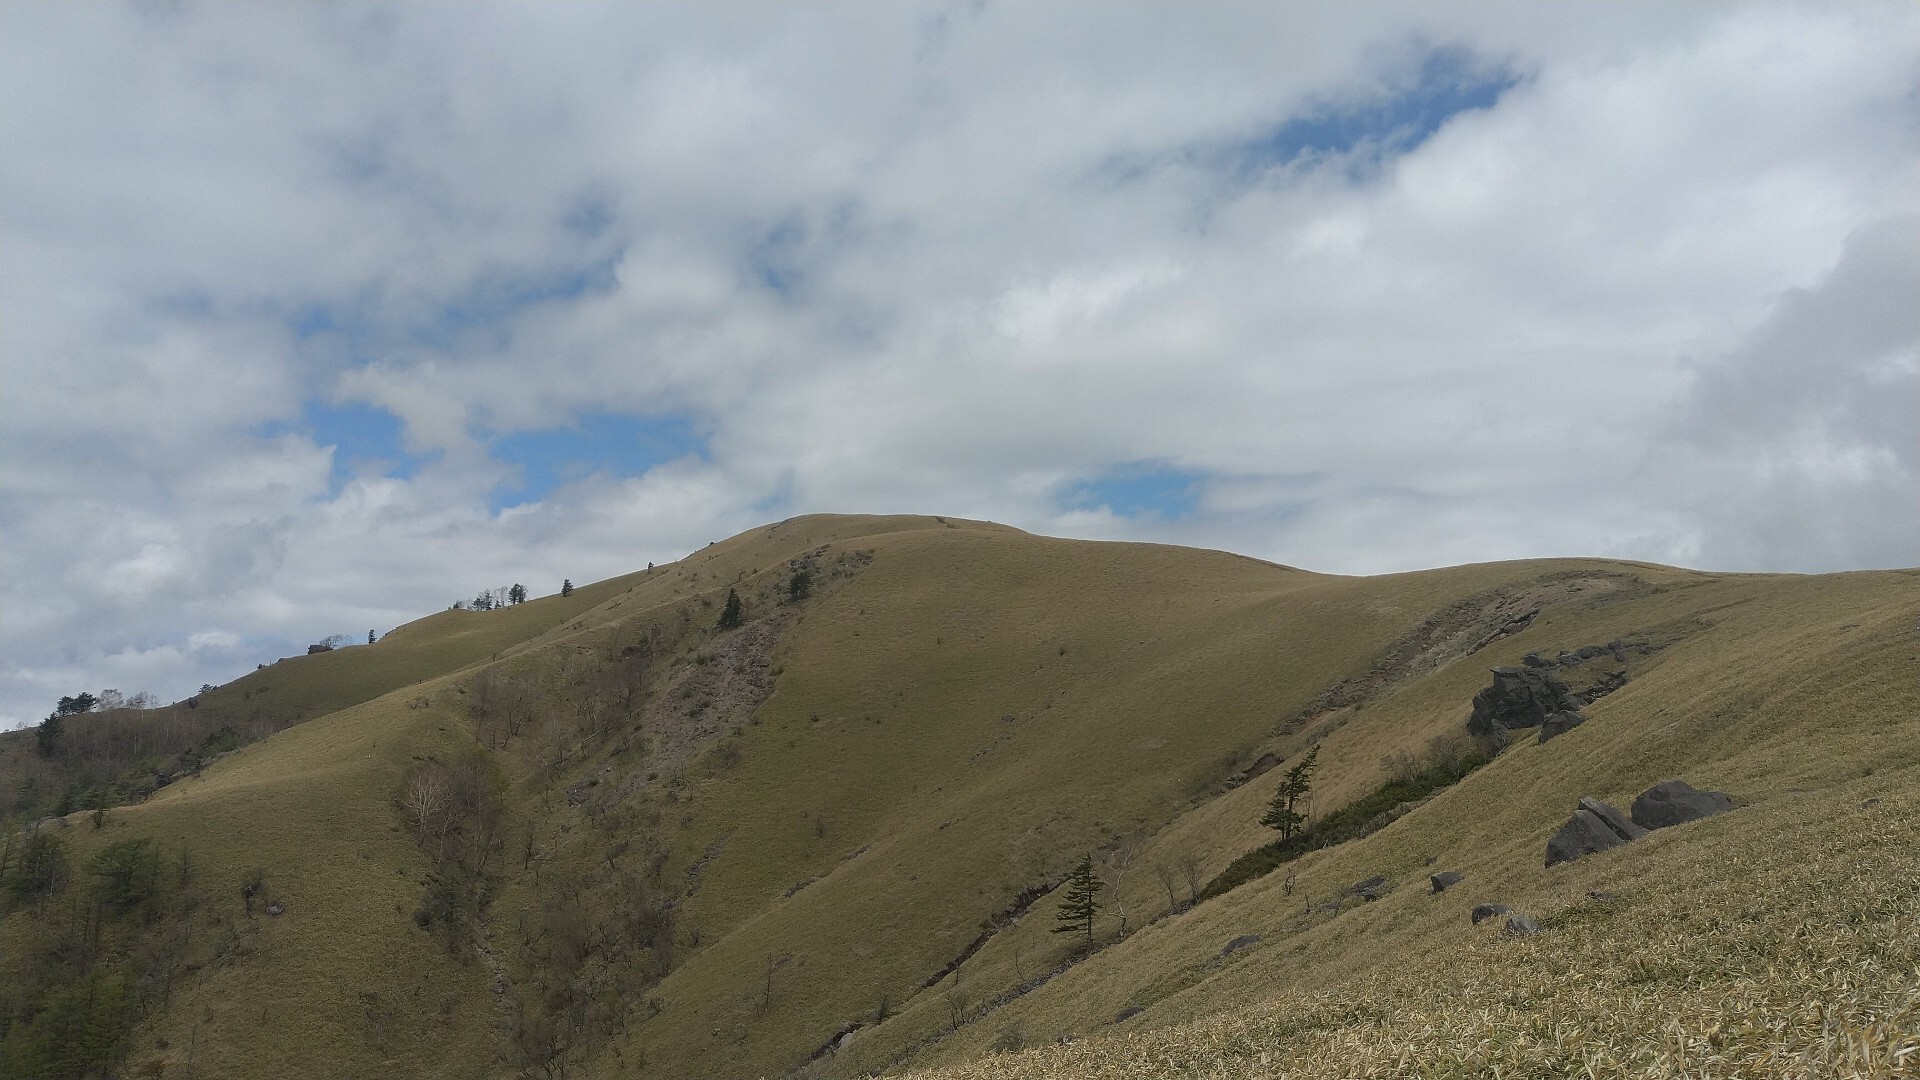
[[612, 443], [1138, 489], [1448, 82], [366, 440]]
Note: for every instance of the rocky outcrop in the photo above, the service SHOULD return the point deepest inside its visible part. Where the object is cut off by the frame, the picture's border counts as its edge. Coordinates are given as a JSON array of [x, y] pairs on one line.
[[1676, 802], [1593, 828], [1445, 880], [1518, 698]]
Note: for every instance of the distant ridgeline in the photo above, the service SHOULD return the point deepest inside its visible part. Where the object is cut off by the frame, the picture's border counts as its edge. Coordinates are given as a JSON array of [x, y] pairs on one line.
[[848, 794]]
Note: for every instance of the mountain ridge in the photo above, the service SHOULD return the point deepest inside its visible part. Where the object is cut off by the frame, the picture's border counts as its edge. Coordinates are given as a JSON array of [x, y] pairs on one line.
[[952, 711]]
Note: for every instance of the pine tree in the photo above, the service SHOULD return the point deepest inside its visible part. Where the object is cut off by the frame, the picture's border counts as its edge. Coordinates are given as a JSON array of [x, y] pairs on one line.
[[1284, 812], [566, 587], [730, 615], [46, 738], [517, 594], [1078, 907]]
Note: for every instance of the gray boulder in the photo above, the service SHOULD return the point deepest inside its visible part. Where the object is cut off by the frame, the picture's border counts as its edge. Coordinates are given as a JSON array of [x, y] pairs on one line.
[[1244, 941], [1372, 888], [1445, 879], [1519, 697], [1559, 724], [1483, 912], [1676, 802], [1519, 925], [1617, 821], [1593, 828]]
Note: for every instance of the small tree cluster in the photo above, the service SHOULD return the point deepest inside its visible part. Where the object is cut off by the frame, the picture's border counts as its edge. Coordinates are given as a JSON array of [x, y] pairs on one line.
[[1287, 811], [458, 814]]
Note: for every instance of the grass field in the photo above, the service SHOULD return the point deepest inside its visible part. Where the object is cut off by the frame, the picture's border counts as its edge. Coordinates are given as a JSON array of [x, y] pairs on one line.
[[828, 815]]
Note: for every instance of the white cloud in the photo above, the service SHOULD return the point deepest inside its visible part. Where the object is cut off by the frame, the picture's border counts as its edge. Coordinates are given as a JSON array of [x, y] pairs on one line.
[[944, 258]]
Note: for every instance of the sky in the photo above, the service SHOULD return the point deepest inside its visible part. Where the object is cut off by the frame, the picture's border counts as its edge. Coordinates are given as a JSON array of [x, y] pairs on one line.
[[316, 317]]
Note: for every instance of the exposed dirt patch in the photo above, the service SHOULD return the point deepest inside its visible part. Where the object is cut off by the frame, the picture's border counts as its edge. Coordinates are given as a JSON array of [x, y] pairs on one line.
[[712, 691]]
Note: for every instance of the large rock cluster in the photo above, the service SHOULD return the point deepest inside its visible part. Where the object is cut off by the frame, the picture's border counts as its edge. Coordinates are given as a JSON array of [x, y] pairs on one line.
[[1595, 826], [1520, 698]]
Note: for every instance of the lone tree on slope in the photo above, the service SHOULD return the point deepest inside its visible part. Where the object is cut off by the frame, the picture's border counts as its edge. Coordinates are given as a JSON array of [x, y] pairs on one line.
[[566, 587], [1285, 812], [730, 615], [1077, 908]]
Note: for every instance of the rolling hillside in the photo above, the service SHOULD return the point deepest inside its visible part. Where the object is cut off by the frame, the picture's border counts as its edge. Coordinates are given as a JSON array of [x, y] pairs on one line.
[[602, 836]]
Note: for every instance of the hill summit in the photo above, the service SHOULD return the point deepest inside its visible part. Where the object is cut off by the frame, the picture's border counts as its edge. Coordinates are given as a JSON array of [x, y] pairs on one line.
[[843, 795]]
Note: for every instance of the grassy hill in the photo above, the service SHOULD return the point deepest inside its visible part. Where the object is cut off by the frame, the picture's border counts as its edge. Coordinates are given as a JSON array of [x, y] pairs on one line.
[[828, 840]]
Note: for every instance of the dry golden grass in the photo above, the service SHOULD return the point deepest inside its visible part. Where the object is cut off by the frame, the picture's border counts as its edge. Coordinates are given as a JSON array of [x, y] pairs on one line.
[[1137, 676], [1793, 952]]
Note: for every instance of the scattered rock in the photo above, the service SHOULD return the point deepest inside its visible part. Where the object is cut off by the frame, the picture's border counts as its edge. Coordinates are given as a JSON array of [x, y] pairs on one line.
[[1559, 724], [1519, 697], [1127, 1013], [1483, 912], [1675, 802], [1593, 828], [1244, 941], [1446, 879], [1372, 888], [275, 910], [1869, 804], [1519, 925], [1603, 897]]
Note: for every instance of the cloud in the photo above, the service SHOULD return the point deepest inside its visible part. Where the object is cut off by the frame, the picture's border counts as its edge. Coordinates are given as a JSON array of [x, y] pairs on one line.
[[1804, 437], [314, 319]]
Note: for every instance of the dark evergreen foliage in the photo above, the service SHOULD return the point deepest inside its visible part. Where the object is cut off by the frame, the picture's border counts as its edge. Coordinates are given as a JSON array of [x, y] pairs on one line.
[[1078, 906], [1359, 818], [1285, 812], [730, 615]]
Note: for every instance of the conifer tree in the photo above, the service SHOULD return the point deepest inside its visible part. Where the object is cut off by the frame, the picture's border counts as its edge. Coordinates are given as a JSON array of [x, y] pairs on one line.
[[46, 738], [730, 615], [517, 594], [1284, 813], [566, 587], [1078, 907]]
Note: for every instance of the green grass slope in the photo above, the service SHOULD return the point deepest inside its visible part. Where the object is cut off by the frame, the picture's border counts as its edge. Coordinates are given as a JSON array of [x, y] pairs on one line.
[[833, 805]]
